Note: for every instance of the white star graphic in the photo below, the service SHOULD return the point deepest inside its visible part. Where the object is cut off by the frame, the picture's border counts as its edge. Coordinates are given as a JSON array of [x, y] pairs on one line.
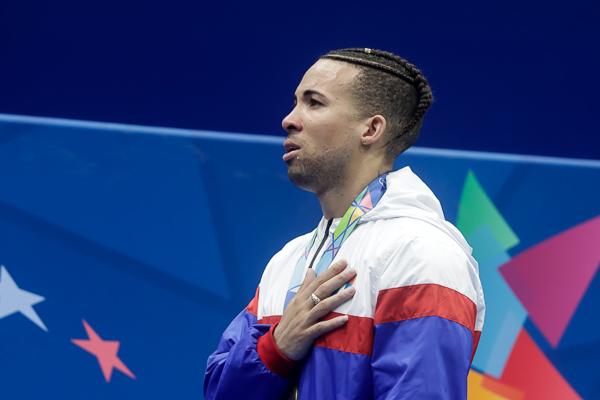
[[13, 299]]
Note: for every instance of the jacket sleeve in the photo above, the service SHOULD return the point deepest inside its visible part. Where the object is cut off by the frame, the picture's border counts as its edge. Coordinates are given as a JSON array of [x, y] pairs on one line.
[[423, 325], [247, 364]]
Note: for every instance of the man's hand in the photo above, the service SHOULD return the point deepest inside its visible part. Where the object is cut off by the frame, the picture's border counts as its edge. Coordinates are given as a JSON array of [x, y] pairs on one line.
[[300, 325]]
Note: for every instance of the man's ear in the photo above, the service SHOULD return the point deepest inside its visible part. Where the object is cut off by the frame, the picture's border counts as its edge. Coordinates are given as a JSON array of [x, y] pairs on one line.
[[375, 132]]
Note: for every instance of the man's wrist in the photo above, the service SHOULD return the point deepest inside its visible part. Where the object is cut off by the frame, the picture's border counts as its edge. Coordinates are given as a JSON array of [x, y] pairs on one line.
[[271, 356]]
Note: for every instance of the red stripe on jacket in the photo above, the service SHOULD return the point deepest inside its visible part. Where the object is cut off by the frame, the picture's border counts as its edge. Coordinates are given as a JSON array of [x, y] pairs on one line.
[[355, 336], [394, 305], [270, 320], [426, 300], [252, 307]]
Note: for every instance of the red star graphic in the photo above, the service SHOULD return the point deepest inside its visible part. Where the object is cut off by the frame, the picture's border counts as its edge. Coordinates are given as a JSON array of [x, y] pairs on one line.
[[105, 351]]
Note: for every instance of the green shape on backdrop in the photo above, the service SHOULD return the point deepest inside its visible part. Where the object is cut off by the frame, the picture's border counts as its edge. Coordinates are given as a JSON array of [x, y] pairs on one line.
[[476, 209]]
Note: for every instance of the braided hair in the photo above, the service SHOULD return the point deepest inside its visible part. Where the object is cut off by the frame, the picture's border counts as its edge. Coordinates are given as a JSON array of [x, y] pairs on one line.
[[391, 86]]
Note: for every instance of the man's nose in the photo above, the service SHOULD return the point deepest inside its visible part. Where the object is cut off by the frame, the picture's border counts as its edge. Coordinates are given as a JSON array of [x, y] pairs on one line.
[[291, 122]]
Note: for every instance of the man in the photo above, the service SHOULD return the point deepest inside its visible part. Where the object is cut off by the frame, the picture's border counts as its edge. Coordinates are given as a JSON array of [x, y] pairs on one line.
[[383, 299]]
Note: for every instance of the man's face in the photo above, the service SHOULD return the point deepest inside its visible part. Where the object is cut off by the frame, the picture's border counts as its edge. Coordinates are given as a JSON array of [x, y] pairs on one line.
[[323, 130]]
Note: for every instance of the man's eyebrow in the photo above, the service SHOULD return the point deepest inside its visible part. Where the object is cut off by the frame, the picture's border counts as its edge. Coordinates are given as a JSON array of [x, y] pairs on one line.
[[310, 92]]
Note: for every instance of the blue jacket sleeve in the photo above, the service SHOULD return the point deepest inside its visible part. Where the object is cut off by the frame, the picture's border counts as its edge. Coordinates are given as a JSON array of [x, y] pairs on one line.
[[235, 370], [421, 358]]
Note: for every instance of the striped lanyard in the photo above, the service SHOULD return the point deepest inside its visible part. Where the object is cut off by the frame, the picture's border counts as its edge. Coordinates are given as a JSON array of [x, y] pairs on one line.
[[364, 202]]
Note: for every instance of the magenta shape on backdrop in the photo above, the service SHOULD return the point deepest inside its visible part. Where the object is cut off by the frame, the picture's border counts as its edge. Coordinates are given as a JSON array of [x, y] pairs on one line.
[[551, 277]]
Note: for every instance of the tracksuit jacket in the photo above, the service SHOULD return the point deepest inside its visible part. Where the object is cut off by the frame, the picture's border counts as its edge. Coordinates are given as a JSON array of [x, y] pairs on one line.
[[414, 322]]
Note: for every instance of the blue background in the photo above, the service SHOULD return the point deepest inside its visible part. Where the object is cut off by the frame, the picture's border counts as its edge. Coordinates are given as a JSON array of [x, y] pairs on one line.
[[508, 76]]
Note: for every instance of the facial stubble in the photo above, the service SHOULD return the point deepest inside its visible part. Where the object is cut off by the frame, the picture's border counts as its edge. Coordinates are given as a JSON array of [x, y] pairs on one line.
[[320, 173]]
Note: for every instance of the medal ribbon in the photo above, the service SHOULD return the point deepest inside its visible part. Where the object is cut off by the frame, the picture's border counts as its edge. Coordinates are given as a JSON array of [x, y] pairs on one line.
[[364, 202]]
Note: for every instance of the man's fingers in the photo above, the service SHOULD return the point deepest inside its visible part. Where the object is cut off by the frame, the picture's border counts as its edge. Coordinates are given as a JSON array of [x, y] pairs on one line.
[[323, 327], [327, 288], [326, 306], [329, 273], [310, 277]]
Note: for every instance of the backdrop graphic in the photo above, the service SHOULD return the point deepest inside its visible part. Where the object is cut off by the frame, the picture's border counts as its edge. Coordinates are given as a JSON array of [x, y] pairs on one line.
[[126, 251]]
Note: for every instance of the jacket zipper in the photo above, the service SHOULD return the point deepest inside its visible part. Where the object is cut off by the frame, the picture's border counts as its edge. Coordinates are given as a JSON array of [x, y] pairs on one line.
[[322, 242]]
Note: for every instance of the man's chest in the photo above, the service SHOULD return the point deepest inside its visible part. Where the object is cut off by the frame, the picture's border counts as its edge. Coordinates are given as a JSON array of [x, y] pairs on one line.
[[362, 254]]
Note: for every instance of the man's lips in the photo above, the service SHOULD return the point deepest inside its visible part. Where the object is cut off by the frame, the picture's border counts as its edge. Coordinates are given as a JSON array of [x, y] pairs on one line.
[[292, 150], [291, 155]]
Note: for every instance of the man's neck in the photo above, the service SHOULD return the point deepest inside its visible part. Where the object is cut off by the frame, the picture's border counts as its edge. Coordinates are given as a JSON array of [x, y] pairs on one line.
[[336, 201]]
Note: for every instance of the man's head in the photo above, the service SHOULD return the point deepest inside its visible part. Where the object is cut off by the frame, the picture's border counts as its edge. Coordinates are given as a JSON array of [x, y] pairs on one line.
[[355, 109], [392, 87], [323, 128]]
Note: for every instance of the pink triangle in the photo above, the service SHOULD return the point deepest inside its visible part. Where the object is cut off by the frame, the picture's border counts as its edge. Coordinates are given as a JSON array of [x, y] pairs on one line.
[[551, 278], [366, 201]]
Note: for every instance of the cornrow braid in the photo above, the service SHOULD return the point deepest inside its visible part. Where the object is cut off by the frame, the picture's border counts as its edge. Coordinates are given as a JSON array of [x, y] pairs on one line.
[[403, 102]]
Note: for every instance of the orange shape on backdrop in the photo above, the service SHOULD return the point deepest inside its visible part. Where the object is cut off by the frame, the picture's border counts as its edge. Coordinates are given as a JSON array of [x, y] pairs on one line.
[[477, 390], [502, 389]]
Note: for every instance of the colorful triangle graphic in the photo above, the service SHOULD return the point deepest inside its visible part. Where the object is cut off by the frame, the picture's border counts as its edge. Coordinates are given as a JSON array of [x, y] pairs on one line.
[[357, 213], [366, 201], [476, 209], [530, 371], [551, 278]]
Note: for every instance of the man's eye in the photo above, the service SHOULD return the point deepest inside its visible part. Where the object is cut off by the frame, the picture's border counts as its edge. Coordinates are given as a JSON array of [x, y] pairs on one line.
[[314, 102]]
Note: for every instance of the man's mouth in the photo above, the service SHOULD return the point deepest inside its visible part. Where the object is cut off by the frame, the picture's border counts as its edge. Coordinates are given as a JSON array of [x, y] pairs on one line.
[[292, 150]]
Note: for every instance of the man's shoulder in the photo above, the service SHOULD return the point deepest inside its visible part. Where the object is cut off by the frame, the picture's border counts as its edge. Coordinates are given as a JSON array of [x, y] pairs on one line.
[[409, 251], [426, 242], [395, 232]]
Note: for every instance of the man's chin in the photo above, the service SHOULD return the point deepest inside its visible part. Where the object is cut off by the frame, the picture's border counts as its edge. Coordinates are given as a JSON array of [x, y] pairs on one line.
[[300, 179]]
